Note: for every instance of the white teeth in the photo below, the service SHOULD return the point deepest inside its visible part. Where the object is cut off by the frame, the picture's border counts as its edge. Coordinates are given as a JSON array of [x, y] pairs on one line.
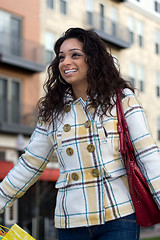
[[70, 70]]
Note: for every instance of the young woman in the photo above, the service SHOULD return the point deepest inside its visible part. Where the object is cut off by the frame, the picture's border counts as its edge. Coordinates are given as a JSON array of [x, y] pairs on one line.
[[77, 119]]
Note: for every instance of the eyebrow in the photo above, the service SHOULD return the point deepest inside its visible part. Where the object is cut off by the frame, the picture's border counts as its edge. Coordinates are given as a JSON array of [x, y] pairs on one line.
[[72, 50]]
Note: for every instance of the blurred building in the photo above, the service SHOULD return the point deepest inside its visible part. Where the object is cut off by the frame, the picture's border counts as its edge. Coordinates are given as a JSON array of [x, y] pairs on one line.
[[21, 61], [131, 28]]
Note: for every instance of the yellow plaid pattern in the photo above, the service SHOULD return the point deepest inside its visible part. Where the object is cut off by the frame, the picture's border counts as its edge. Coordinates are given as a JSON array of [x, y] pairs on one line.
[[92, 186]]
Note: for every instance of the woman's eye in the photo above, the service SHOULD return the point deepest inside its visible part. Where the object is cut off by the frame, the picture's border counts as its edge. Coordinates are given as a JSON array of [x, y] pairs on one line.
[[61, 58], [74, 55]]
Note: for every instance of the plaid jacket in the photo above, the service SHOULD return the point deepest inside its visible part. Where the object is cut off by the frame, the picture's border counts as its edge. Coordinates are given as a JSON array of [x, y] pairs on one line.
[[92, 186]]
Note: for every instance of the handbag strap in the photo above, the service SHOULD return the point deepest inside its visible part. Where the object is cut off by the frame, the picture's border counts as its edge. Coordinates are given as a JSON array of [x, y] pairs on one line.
[[125, 141]]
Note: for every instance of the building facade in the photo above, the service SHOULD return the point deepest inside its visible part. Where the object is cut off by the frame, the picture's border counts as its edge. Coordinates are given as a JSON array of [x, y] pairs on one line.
[[21, 61], [130, 28]]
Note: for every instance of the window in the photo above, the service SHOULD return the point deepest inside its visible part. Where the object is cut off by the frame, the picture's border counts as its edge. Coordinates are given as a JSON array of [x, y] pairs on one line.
[[9, 100], [132, 73], [10, 32], [141, 78], [89, 7], [157, 6], [102, 20], [158, 125], [50, 4], [2, 155], [3, 99], [63, 6], [158, 84], [49, 42], [131, 29], [157, 41], [102, 17], [114, 21], [140, 33]]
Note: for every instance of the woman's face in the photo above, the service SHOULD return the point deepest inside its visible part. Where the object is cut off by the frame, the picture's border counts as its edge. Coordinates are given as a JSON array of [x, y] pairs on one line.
[[72, 63]]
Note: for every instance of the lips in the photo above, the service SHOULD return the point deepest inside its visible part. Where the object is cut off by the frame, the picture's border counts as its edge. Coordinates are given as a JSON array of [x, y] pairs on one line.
[[67, 71]]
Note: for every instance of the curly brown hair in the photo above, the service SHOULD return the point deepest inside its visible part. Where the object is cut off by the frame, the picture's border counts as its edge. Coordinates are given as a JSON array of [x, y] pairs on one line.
[[103, 76]]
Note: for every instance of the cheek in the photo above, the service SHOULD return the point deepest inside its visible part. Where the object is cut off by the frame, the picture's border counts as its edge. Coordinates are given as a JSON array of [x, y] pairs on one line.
[[85, 69]]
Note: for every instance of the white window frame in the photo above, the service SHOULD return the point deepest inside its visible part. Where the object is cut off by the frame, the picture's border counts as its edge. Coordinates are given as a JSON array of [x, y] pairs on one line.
[[157, 41], [89, 9], [158, 84], [141, 77], [102, 18], [158, 6], [158, 127], [132, 73], [53, 3], [9, 80], [49, 43], [6, 40], [114, 14], [131, 26], [66, 10], [89, 5], [140, 33], [114, 20]]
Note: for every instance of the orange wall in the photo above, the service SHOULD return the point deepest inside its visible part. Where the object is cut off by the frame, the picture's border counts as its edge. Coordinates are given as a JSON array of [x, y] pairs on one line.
[[29, 11], [30, 85]]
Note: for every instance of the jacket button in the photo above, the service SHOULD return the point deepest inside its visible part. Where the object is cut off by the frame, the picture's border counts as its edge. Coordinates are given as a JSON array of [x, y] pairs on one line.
[[75, 176], [95, 173], [69, 151], [90, 148], [67, 128], [67, 108], [87, 124]]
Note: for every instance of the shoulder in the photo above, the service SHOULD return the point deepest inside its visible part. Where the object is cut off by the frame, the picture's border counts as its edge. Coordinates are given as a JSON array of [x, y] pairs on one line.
[[130, 100], [128, 93]]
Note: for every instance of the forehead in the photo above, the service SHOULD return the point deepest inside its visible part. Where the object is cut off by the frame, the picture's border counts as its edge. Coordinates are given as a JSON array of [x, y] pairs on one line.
[[71, 43]]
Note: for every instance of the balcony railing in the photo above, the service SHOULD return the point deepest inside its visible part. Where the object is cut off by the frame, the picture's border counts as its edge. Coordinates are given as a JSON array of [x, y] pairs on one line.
[[21, 53], [16, 118], [108, 30]]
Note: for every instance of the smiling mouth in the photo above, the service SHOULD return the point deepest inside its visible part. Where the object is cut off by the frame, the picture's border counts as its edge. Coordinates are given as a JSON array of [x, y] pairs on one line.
[[70, 71]]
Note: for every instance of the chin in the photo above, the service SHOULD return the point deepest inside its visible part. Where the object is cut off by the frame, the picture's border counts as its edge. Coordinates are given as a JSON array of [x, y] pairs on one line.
[[70, 81]]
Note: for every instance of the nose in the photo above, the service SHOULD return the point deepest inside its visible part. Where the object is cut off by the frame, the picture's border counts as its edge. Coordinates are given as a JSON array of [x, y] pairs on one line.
[[67, 60]]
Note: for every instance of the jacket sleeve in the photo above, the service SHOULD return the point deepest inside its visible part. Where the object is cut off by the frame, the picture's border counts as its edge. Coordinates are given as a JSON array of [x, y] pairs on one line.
[[146, 151], [29, 167]]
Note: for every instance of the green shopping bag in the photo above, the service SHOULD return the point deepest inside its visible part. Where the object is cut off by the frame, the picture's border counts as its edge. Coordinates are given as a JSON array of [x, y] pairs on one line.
[[15, 233]]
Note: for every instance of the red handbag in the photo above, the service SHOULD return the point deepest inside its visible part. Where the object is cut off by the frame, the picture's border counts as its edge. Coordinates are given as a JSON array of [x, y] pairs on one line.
[[147, 212]]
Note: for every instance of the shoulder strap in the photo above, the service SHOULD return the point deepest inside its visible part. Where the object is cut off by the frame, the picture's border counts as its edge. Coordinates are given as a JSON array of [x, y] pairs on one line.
[[122, 126]]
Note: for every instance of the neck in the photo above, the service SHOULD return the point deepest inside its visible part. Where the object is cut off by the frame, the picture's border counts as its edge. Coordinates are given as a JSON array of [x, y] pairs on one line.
[[80, 93]]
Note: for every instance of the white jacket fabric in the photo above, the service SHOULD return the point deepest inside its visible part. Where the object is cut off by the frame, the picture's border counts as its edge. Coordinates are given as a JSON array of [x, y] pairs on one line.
[[92, 186]]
